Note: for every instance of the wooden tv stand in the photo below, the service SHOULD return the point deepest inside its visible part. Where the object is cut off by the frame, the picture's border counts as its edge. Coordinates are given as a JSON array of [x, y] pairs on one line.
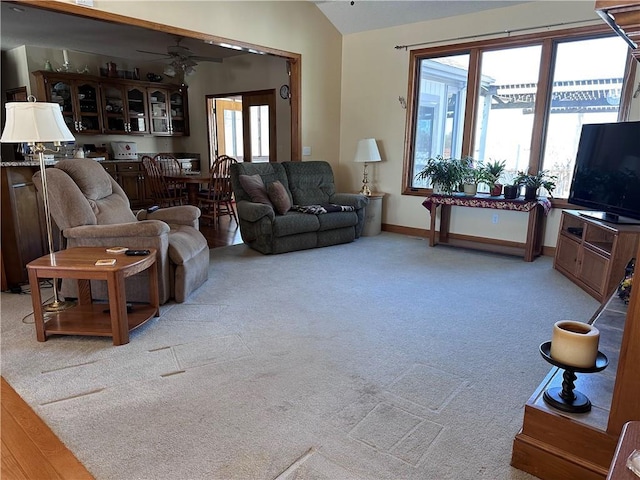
[[554, 445], [593, 253]]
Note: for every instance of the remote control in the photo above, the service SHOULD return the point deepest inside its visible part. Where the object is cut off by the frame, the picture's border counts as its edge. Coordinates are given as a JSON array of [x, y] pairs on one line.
[[137, 253]]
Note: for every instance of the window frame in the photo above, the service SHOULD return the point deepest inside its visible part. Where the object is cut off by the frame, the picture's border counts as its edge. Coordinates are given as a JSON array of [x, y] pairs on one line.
[[548, 41]]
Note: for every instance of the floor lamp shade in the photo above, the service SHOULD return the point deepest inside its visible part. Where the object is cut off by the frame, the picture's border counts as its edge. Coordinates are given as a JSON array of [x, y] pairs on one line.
[[366, 152], [35, 122]]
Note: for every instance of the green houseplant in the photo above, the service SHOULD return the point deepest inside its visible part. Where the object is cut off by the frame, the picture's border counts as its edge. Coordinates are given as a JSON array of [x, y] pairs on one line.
[[493, 172], [532, 182], [445, 174], [472, 175]]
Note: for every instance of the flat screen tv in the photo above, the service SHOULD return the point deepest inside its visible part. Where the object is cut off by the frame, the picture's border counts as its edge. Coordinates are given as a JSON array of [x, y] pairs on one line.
[[606, 177]]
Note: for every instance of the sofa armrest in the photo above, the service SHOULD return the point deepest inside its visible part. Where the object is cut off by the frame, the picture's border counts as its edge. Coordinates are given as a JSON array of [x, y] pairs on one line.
[[351, 199], [252, 212], [180, 215], [147, 228]]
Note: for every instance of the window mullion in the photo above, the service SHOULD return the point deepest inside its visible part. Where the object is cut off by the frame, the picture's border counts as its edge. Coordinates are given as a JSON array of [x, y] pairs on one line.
[[627, 89], [542, 107], [473, 87]]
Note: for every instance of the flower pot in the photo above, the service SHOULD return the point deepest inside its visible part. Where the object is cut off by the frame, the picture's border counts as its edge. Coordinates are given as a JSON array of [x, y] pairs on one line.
[[511, 191], [530, 193], [496, 190], [470, 189]]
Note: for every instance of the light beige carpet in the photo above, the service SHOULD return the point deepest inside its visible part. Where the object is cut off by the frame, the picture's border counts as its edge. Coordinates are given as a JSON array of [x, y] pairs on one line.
[[379, 359]]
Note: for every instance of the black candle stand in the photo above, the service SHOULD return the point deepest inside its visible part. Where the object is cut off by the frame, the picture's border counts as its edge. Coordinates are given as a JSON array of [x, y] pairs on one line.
[[567, 398]]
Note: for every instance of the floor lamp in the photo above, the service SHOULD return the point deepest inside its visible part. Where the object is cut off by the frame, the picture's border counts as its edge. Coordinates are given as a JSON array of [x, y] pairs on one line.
[[366, 152], [35, 123]]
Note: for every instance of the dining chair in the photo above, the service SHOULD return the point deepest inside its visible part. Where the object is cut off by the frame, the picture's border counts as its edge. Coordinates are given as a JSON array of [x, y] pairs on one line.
[[162, 192], [217, 200], [169, 165]]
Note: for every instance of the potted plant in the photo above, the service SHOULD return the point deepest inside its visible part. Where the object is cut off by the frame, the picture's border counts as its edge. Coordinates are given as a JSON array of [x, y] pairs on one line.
[[532, 182], [493, 172], [473, 175], [512, 191], [445, 174]]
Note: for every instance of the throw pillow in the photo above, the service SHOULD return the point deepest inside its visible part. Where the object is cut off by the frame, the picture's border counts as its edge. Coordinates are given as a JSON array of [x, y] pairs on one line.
[[279, 197], [255, 188]]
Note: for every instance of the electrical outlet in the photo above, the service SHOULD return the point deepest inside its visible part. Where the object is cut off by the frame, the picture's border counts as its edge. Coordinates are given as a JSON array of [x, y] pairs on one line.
[[306, 151], [494, 219]]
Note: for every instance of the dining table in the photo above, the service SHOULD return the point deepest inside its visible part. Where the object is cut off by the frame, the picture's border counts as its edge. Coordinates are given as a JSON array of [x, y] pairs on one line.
[[192, 181]]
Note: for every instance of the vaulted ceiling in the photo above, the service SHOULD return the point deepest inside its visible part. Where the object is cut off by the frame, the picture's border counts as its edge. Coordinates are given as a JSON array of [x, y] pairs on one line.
[[22, 25]]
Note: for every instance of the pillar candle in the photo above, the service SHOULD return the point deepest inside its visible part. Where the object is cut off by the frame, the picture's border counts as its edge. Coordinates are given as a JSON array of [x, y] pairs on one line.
[[575, 343]]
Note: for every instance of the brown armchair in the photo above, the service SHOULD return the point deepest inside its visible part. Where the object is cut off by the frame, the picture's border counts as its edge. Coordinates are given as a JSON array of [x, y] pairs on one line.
[[91, 209]]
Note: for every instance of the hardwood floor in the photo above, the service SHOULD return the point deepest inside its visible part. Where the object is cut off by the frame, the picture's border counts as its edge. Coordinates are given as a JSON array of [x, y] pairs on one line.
[[226, 233], [29, 449]]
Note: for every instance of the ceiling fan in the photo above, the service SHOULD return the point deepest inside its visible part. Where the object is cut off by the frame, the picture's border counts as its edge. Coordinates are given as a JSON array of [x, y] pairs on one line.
[[182, 60]]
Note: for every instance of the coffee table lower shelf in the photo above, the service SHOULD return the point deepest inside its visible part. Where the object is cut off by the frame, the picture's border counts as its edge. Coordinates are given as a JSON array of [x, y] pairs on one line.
[[93, 320]]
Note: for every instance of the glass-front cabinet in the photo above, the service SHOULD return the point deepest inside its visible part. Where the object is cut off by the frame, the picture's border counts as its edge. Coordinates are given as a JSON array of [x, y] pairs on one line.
[[79, 102], [125, 109], [137, 110], [168, 111], [95, 105]]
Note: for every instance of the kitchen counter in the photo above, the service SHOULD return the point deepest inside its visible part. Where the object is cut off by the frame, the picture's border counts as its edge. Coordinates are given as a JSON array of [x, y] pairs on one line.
[[36, 163]]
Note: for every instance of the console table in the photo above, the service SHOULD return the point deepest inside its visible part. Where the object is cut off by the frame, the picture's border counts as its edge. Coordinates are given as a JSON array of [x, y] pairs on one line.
[[535, 229]]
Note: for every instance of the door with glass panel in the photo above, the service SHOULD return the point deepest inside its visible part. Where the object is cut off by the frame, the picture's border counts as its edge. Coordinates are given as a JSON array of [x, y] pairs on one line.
[[243, 126], [259, 126]]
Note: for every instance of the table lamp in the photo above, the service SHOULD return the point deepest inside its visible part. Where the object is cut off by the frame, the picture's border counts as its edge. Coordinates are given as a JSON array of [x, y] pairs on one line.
[[35, 123], [366, 152]]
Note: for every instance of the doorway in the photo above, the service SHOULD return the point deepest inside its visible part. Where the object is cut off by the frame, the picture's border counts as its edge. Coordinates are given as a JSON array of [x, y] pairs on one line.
[[243, 126]]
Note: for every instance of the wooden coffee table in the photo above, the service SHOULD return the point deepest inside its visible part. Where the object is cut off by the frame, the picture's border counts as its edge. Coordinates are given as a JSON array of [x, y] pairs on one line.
[[88, 318]]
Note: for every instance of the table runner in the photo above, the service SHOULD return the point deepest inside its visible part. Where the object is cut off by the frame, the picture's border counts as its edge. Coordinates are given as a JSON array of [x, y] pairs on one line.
[[486, 201]]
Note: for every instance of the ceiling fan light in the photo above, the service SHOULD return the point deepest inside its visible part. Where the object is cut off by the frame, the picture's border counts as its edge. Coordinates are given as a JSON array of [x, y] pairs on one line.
[[189, 71], [169, 71]]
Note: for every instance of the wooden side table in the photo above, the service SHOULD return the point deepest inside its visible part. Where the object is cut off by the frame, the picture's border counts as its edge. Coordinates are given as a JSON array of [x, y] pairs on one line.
[[88, 318]]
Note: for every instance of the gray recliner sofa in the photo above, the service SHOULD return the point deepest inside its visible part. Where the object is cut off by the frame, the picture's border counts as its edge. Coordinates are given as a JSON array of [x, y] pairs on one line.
[[306, 184]]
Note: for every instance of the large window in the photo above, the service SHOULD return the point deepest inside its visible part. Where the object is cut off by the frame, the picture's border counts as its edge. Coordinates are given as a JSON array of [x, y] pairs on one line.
[[522, 100]]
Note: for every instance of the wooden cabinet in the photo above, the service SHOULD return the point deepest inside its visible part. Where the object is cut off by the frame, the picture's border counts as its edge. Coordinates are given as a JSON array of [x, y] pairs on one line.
[[125, 109], [130, 176], [169, 111], [97, 105], [623, 16], [594, 254], [78, 97], [24, 236]]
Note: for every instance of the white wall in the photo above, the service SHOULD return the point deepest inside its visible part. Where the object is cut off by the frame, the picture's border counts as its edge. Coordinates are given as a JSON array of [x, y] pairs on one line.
[[238, 74], [375, 74]]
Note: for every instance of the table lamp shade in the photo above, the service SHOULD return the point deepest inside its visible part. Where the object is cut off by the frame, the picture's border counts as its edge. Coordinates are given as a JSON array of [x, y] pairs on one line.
[[35, 122], [367, 151]]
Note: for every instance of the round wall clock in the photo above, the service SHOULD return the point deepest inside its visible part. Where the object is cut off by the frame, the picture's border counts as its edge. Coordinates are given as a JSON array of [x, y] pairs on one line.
[[284, 91]]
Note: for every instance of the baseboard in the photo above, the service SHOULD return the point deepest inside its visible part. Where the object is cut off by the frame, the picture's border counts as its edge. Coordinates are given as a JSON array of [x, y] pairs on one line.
[[481, 243]]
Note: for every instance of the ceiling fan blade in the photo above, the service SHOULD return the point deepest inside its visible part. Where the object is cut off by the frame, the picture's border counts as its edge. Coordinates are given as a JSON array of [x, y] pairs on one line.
[[205, 59], [154, 53]]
